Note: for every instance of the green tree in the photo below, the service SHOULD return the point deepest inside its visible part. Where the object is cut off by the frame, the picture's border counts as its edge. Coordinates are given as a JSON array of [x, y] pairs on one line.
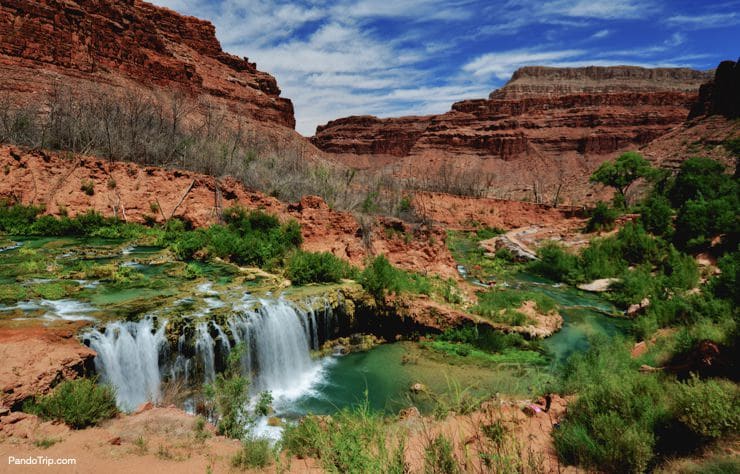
[[622, 172]]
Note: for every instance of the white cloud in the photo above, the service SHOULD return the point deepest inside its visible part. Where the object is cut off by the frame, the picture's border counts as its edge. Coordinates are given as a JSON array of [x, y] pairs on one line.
[[601, 34], [502, 64], [708, 21], [339, 57]]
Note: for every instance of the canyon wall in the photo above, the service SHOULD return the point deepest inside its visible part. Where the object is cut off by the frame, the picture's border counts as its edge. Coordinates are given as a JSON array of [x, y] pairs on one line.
[[545, 127], [128, 45]]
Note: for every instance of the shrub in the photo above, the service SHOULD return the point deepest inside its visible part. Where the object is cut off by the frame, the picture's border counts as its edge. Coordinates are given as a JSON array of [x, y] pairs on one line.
[[700, 178], [88, 187], [187, 244], [380, 278], [555, 263], [353, 440], [229, 396], [255, 453], [439, 457], [16, 218], [602, 218], [637, 247], [602, 259], [708, 408], [78, 403], [725, 285], [323, 267], [612, 425], [633, 286], [656, 215]]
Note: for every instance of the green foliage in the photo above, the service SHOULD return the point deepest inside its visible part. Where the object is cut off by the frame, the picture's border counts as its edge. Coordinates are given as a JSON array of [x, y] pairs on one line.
[[700, 178], [555, 263], [78, 403], [612, 425], [725, 285], [380, 278], [621, 173], [698, 221], [264, 404], [603, 258], [249, 238], [708, 408], [323, 267], [439, 457], [353, 440], [88, 187], [602, 218], [229, 396], [707, 202], [486, 233], [656, 215], [501, 305], [633, 286], [255, 453]]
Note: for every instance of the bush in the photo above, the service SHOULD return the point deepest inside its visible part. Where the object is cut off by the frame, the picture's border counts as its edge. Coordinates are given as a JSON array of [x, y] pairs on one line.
[[708, 408], [612, 424], [78, 403], [324, 267], [700, 178], [229, 396], [255, 453], [725, 285], [352, 441], [633, 286], [602, 218], [380, 278], [637, 247], [602, 259], [439, 457], [656, 215], [555, 263], [16, 218]]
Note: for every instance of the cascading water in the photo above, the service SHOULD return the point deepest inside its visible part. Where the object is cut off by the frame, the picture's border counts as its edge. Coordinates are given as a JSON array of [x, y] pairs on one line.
[[135, 357], [128, 358]]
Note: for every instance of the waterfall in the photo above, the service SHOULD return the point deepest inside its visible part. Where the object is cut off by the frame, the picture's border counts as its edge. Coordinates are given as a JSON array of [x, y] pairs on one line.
[[277, 336], [128, 359], [282, 340]]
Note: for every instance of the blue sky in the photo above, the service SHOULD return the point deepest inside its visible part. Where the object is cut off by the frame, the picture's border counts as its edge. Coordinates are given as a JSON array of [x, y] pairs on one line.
[[407, 57]]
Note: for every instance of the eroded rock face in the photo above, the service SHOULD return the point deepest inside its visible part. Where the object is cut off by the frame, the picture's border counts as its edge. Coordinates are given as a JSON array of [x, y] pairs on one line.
[[124, 44], [593, 110], [721, 95], [537, 138], [35, 360]]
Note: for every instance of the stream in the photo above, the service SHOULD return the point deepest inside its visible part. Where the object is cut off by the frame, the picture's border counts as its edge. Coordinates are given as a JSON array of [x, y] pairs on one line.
[[216, 311]]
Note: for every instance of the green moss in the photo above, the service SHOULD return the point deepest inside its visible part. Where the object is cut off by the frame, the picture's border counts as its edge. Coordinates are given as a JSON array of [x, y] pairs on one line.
[[55, 290]]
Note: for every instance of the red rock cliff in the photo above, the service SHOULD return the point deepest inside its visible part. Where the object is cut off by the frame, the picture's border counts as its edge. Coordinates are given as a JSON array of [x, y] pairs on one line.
[[120, 42], [593, 110]]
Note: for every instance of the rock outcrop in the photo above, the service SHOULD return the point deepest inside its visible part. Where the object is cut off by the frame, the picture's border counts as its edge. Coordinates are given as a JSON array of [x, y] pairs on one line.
[[593, 110], [125, 45], [37, 359], [568, 120], [720, 96]]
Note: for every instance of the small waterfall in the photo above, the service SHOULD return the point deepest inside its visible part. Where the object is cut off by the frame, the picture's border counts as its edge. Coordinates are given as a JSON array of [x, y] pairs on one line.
[[205, 351], [128, 359], [282, 343], [135, 358]]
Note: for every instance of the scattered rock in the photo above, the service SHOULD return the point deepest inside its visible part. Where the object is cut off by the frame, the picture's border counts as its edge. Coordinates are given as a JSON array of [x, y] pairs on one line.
[[418, 388], [598, 286], [410, 413], [638, 308], [144, 407]]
